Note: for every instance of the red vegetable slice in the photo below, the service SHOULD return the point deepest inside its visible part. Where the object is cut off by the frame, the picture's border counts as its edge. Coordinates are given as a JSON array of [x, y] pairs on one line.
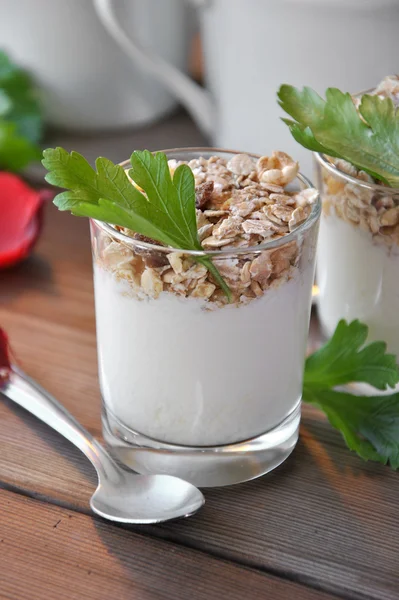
[[20, 218]]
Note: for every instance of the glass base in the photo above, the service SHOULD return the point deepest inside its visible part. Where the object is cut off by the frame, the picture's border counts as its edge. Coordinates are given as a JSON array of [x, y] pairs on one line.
[[207, 466]]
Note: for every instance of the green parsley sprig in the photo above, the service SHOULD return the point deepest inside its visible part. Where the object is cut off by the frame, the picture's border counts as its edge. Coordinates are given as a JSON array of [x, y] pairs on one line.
[[369, 424], [20, 117], [164, 213], [367, 136]]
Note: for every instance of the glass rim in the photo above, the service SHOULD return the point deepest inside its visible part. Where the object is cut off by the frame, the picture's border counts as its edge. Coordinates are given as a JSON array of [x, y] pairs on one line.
[[377, 187], [321, 158], [225, 252]]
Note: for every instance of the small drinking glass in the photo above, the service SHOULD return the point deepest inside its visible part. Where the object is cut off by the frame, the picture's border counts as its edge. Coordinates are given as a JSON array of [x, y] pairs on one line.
[[358, 252], [205, 390]]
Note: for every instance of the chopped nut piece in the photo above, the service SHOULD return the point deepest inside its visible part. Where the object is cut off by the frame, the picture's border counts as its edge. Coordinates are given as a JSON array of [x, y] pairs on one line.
[[168, 276], [255, 287], [282, 212], [117, 256], [176, 262], [246, 274], [261, 268], [278, 189], [215, 213], [212, 242], [262, 164], [203, 194], [374, 224], [305, 197], [289, 251], [241, 164], [197, 271], [258, 227], [269, 212], [228, 269], [384, 202], [203, 290], [151, 283], [228, 228], [351, 213], [244, 209], [390, 217], [201, 219], [299, 215], [152, 258], [220, 184], [345, 166], [274, 176], [284, 199], [279, 169], [279, 261], [335, 186], [204, 231]]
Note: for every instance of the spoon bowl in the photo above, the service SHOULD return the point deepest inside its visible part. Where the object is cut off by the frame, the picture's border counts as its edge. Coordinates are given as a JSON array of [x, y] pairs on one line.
[[146, 496]]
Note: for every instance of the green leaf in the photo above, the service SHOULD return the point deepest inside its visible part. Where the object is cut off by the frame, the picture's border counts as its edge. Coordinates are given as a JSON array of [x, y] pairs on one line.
[[20, 117], [184, 182], [345, 359], [174, 200], [369, 424], [368, 138], [105, 194], [165, 213], [305, 106], [15, 151], [5, 103], [304, 136], [23, 107]]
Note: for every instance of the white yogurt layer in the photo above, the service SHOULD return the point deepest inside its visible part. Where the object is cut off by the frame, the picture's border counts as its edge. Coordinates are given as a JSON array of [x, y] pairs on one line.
[[358, 279], [178, 373]]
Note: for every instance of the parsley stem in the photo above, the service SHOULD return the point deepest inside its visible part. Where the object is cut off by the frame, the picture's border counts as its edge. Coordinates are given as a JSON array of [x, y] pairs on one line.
[[207, 262]]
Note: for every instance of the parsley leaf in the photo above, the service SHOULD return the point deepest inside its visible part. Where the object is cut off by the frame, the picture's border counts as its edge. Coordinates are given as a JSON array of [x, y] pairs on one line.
[[20, 117], [369, 424], [165, 212], [175, 198], [367, 137], [346, 359]]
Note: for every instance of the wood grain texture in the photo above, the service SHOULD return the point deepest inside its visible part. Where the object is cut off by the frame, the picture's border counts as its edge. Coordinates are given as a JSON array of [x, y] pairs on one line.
[[47, 552], [325, 518]]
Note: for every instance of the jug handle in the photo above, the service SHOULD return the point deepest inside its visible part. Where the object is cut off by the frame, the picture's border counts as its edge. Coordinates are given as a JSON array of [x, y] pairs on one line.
[[197, 100]]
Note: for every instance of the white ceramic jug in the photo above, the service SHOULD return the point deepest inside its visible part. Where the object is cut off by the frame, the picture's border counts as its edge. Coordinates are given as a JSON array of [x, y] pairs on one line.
[[253, 46], [86, 82]]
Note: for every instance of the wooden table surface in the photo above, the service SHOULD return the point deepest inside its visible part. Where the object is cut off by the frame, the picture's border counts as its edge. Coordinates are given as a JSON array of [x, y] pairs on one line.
[[322, 526]]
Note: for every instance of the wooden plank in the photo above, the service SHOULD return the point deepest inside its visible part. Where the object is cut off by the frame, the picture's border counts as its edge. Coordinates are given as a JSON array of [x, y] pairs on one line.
[[52, 553], [325, 518]]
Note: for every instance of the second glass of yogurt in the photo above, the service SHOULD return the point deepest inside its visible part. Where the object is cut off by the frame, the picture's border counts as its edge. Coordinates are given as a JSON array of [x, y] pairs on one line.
[[358, 253], [194, 385]]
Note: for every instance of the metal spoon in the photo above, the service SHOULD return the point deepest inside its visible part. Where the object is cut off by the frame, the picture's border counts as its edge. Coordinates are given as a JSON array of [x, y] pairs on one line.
[[121, 495]]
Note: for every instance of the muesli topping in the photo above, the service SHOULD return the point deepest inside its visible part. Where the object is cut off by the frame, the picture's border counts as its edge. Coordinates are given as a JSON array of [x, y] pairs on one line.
[[240, 203]]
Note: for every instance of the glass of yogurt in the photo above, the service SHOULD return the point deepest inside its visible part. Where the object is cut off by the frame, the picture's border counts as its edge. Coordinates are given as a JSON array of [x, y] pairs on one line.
[[358, 253], [194, 385]]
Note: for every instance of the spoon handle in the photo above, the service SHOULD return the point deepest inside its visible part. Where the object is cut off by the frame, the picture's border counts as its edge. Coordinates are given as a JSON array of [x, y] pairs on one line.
[[24, 391]]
